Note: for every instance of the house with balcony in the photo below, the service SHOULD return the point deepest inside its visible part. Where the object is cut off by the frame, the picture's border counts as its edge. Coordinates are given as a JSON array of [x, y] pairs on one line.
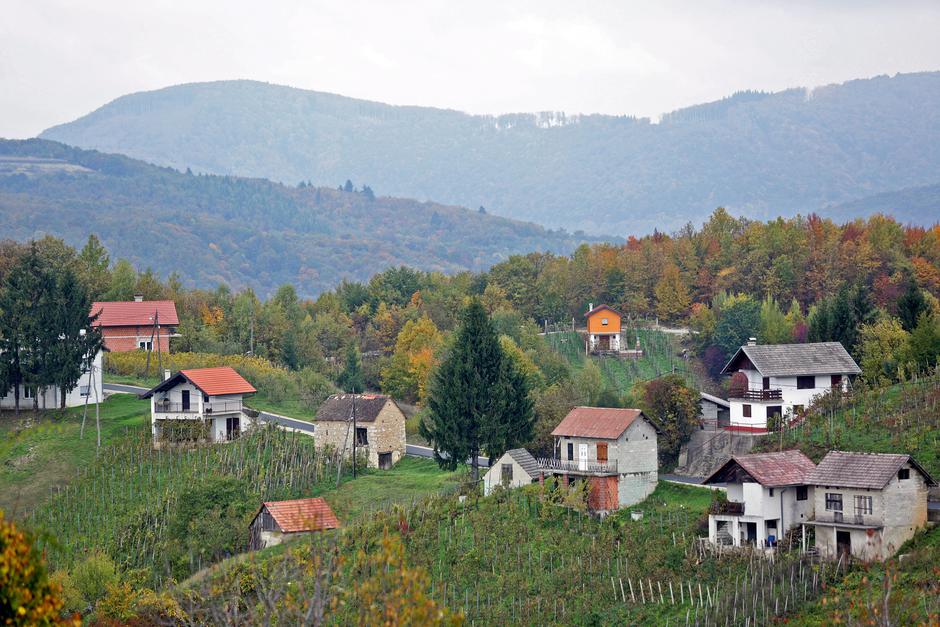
[[867, 504], [614, 450], [603, 329], [775, 382], [199, 405], [768, 494]]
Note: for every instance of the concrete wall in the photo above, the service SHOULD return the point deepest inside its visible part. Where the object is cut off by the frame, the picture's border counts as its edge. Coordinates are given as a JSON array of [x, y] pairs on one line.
[[385, 435], [49, 398], [900, 509], [493, 476]]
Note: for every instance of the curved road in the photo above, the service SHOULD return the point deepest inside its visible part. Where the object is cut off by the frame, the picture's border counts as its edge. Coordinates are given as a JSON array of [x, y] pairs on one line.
[[293, 424]]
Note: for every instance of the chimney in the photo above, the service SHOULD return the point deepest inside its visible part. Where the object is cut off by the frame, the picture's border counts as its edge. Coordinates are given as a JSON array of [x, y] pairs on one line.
[[166, 375], [590, 306], [138, 298], [752, 341]]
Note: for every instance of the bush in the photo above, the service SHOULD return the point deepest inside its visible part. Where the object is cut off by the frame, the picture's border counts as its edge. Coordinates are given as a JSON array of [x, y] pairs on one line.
[[27, 595], [92, 576]]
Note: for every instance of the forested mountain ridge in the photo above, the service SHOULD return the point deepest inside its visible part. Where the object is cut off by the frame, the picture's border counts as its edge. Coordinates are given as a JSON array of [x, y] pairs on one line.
[[757, 154], [244, 232]]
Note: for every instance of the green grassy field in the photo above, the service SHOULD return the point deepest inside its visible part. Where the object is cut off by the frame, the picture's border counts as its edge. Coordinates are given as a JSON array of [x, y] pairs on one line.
[[661, 356], [43, 452]]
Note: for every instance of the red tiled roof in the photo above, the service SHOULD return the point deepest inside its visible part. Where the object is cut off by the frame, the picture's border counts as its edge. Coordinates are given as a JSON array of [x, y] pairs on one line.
[[596, 422], [312, 514], [218, 381], [133, 313], [771, 470], [601, 308]]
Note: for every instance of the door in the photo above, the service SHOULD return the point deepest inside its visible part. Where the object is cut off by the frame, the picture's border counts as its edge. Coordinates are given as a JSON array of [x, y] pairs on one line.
[[750, 529], [844, 543], [185, 400], [582, 456], [603, 342], [385, 461], [232, 428]]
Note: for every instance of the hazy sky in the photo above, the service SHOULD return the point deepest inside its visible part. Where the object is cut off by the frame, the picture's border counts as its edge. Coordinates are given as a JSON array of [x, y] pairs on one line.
[[60, 59]]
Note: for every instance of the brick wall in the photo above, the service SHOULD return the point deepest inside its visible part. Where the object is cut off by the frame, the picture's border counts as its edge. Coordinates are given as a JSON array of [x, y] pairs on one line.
[[603, 495], [124, 339]]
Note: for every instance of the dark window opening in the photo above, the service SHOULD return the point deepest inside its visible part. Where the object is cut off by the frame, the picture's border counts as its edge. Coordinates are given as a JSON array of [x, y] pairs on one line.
[[570, 451], [833, 502], [362, 436], [771, 491], [765, 382], [836, 380], [385, 461], [506, 473], [802, 493], [746, 411], [807, 382], [904, 473]]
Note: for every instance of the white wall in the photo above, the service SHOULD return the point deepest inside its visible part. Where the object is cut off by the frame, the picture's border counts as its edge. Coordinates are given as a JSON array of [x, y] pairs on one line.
[[790, 396], [49, 398], [493, 476]]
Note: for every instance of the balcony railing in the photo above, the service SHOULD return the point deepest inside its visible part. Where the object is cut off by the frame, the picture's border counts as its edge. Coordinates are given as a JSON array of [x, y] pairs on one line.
[[757, 395], [578, 466], [226, 407], [176, 408], [731, 508]]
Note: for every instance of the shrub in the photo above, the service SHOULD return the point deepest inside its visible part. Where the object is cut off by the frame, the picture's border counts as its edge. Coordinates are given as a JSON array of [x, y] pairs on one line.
[[92, 576], [27, 595]]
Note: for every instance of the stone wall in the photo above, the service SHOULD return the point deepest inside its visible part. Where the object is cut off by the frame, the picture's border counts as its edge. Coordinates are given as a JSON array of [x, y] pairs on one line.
[[384, 435]]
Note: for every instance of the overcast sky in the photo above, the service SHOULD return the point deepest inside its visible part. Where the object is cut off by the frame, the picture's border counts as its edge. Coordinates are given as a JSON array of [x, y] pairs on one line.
[[60, 59]]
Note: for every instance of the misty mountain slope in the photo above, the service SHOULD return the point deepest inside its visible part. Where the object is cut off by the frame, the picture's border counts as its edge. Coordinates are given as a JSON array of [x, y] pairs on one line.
[[912, 204], [244, 232], [758, 154]]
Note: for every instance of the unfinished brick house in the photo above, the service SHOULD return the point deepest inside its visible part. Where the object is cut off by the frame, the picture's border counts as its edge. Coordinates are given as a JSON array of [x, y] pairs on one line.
[[136, 325], [615, 450], [379, 428]]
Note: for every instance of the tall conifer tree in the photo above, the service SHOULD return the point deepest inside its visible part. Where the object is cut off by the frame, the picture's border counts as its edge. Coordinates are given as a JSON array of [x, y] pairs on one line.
[[479, 401]]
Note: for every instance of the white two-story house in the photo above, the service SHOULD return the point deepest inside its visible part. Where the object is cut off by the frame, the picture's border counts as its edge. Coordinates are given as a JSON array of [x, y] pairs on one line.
[[778, 381], [768, 494], [199, 405], [614, 450]]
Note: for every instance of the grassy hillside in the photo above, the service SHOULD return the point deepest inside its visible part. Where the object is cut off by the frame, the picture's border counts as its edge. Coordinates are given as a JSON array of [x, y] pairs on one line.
[[755, 153], [244, 232], [661, 356]]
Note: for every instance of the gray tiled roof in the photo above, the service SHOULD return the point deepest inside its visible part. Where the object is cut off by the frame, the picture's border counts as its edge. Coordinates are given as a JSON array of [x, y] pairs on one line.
[[338, 407], [524, 458], [783, 360], [861, 470]]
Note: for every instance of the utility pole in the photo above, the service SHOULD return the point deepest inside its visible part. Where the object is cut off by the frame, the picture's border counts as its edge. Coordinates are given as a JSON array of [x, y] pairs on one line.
[[251, 335], [355, 434]]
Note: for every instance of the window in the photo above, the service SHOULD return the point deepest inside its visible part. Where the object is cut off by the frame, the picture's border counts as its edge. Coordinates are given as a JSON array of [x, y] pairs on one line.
[[362, 436], [765, 383], [602, 451], [863, 505], [746, 411], [604, 321], [835, 380], [570, 450], [205, 398], [904, 473], [807, 382], [802, 493], [28, 392], [506, 473], [771, 491], [146, 345], [833, 502], [83, 390]]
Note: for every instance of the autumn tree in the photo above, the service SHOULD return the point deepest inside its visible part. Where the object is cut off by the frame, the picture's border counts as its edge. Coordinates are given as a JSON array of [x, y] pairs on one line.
[[406, 376], [674, 407], [881, 347], [672, 295], [27, 596], [479, 399]]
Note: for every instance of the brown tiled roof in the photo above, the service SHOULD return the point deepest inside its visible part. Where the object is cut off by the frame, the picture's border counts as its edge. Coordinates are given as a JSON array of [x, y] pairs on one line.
[[338, 407], [212, 381], [862, 470], [135, 314], [312, 514], [596, 422], [771, 470], [601, 308]]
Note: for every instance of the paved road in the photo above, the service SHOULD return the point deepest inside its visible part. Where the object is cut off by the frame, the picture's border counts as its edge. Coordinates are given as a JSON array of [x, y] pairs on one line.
[[423, 451], [120, 387]]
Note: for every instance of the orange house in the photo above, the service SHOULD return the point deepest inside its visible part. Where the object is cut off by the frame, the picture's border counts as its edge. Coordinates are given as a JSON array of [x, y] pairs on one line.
[[603, 327]]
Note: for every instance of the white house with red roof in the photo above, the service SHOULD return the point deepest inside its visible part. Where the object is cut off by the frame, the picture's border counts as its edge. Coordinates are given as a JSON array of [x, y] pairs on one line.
[[615, 450], [199, 405], [768, 494], [136, 325]]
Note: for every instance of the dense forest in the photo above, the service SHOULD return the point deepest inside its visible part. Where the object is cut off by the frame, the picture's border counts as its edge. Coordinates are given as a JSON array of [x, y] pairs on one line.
[[755, 153], [245, 232]]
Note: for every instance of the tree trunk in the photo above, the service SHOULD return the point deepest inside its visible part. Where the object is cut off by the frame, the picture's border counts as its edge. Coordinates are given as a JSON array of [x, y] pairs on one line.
[[62, 391], [475, 464], [16, 399]]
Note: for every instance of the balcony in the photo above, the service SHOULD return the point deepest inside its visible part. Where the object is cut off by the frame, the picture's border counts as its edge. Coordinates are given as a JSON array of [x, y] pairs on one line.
[[209, 409], [176, 408], [728, 508], [226, 407], [575, 466], [756, 395]]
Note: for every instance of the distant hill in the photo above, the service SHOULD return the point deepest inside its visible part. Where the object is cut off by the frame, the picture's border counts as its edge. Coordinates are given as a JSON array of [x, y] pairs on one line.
[[759, 154], [244, 232], [913, 204]]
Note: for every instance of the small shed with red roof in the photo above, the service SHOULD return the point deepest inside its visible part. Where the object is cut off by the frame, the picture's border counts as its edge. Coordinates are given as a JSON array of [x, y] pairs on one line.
[[277, 519], [199, 404], [136, 325]]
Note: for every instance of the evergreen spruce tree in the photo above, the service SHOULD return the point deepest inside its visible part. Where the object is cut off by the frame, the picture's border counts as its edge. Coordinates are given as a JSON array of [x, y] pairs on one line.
[[911, 304], [74, 342], [351, 379], [479, 400]]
